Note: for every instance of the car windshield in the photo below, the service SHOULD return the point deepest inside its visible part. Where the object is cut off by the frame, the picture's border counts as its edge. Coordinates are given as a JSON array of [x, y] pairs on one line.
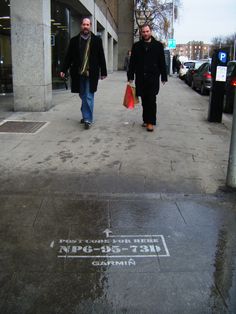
[[198, 64], [189, 64], [230, 68], [204, 67]]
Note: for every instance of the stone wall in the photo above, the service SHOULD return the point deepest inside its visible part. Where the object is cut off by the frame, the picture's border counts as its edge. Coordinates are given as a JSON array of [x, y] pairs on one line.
[[125, 29]]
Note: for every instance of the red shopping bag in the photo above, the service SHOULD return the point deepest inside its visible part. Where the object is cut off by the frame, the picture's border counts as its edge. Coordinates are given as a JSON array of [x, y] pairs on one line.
[[130, 98]]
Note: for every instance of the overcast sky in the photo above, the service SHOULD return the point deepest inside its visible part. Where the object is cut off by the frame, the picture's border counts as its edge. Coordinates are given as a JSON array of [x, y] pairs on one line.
[[205, 19]]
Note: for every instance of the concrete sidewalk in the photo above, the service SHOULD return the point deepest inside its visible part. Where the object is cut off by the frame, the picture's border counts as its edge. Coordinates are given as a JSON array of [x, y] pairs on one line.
[[116, 219], [185, 154]]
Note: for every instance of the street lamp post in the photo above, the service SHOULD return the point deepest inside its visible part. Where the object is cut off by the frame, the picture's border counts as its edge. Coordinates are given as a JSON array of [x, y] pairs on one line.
[[172, 29], [231, 174], [173, 17], [234, 57]]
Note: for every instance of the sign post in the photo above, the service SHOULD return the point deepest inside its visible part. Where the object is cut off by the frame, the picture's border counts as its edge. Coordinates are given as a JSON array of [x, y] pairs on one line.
[[231, 173], [171, 45]]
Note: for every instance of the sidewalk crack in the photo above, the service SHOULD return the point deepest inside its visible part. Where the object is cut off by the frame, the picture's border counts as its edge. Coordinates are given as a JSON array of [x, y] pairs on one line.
[[180, 212], [40, 206]]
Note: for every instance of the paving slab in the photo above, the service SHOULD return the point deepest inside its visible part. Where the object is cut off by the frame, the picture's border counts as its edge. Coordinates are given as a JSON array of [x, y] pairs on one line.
[[114, 219], [184, 154], [123, 256]]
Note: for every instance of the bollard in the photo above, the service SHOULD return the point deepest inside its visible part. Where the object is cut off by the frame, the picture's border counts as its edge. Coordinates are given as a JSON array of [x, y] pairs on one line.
[[231, 173]]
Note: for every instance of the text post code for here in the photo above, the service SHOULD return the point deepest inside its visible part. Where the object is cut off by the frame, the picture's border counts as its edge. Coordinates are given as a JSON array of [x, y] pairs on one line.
[[130, 246]]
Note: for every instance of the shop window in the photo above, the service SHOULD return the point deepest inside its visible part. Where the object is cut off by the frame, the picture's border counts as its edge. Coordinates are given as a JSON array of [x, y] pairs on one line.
[[5, 48], [60, 35]]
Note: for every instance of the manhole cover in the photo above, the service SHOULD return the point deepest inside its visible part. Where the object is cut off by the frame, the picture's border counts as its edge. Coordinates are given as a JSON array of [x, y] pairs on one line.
[[21, 126]]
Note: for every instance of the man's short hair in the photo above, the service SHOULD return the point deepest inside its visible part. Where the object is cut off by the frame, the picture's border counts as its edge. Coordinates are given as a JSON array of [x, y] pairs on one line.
[[86, 18], [145, 25]]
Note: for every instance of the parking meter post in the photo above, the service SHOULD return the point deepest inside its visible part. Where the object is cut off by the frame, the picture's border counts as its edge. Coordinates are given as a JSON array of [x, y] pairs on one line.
[[216, 100], [231, 173]]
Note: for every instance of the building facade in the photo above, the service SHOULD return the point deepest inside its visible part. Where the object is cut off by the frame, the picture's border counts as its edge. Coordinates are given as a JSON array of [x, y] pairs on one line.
[[34, 37], [193, 50]]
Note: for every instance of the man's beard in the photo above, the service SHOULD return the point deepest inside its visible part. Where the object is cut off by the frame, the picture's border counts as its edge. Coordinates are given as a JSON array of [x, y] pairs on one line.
[[85, 31], [147, 38]]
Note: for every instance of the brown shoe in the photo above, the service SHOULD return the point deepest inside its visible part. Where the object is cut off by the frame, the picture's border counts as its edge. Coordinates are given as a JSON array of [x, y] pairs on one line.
[[150, 127]]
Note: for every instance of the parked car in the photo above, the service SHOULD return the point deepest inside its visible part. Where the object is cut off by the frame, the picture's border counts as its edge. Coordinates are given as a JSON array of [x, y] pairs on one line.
[[192, 70], [202, 79], [230, 87], [184, 68]]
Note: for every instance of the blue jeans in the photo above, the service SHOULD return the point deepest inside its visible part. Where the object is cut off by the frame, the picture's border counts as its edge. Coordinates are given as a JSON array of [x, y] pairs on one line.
[[87, 99]]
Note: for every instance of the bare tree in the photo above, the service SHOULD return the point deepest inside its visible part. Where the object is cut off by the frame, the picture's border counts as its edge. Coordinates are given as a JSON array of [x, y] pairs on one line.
[[226, 42], [159, 14]]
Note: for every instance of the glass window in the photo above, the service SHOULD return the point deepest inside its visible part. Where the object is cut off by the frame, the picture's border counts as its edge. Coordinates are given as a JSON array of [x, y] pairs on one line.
[[60, 35], [230, 67], [189, 64], [198, 64], [5, 48], [65, 23]]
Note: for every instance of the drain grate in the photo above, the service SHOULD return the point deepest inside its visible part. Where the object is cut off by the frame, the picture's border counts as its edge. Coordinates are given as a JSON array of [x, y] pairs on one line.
[[21, 126]]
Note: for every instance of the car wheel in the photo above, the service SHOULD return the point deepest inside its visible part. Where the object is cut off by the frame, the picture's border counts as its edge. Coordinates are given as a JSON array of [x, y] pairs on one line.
[[203, 90]]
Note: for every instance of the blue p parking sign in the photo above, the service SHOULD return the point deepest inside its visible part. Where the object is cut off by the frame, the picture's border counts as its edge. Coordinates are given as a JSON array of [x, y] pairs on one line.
[[222, 56]]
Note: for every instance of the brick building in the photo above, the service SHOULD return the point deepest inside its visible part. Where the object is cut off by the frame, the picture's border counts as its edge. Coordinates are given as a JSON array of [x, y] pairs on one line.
[[193, 50]]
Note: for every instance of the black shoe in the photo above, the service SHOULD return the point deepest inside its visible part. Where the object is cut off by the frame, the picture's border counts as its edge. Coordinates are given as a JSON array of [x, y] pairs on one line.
[[150, 127], [87, 125], [82, 121]]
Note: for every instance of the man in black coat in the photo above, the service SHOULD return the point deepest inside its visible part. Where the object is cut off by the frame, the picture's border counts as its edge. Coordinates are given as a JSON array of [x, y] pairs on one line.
[[147, 64], [86, 61]]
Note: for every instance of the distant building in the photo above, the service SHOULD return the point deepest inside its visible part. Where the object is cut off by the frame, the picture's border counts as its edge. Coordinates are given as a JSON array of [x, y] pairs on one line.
[[194, 50]]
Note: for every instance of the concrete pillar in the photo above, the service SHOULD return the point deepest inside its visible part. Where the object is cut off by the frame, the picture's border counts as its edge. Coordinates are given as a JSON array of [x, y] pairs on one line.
[[105, 43], [125, 29], [31, 54], [110, 54], [115, 56], [94, 26]]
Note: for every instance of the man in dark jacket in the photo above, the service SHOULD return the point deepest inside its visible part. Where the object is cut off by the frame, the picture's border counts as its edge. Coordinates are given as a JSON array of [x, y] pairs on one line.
[[86, 61], [147, 64]]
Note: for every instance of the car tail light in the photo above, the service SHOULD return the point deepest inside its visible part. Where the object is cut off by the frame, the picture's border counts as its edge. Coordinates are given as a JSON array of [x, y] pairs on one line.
[[207, 75], [192, 72], [233, 81]]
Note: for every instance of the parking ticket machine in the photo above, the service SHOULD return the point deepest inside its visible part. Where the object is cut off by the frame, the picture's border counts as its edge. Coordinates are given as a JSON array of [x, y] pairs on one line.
[[220, 59]]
